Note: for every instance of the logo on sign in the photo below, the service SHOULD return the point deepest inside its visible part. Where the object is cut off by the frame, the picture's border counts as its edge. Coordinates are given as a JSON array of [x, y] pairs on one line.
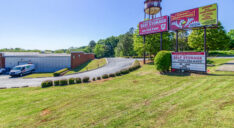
[[163, 26]]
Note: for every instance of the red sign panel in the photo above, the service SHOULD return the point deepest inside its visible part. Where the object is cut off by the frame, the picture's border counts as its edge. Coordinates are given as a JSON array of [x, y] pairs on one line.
[[197, 17], [189, 61], [154, 26]]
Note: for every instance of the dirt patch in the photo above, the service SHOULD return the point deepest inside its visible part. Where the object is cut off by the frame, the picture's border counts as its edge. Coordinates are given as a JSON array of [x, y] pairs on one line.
[[45, 112], [103, 80], [135, 81], [227, 103]]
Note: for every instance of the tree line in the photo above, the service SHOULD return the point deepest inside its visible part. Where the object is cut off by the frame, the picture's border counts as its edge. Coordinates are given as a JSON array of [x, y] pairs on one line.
[[131, 44]]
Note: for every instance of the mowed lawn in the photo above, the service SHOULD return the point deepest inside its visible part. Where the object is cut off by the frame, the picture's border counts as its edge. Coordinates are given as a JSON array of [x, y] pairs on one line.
[[39, 75], [143, 98], [90, 65]]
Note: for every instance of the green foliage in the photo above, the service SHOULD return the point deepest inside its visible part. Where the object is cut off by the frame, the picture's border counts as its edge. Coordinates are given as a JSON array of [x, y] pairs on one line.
[[135, 66], [231, 36], [112, 75], [63, 82], [60, 72], [105, 76], [118, 73], [85, 79], [94, 79], [152, 42], [125, 45], [162, 61], [56, 83], [221, 53], [99, 50], [78, 80], [124, 71], [99, 78], [217, 39], [18, 50], [72, 80], [47, 84]]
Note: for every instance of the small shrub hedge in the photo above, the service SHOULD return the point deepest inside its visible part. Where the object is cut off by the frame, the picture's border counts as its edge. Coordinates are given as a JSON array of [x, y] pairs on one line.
[[94, 79], [63, 82], [56, 83], [60, 72], [117, 74], [105, 76], [124, 71], [162, 61], [99, 78], [85, 79], [78, 80], [112, 75], [72, 81], [47, 84]]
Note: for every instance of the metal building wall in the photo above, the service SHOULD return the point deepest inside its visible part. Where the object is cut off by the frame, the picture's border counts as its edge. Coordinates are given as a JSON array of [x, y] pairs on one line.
[[43, 63]]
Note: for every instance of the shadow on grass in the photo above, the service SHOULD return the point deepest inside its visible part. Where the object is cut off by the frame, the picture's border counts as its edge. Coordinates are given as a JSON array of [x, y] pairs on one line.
[[80, 67]]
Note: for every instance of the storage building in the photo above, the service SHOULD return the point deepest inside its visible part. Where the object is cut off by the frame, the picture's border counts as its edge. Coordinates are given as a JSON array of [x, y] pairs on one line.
[[44, 62]]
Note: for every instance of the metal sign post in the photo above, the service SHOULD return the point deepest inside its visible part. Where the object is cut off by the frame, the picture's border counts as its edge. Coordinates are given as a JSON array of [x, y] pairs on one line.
[[205, 49]]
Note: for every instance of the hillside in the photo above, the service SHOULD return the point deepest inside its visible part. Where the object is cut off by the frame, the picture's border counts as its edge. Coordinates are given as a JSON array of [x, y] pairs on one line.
[[143, 98]]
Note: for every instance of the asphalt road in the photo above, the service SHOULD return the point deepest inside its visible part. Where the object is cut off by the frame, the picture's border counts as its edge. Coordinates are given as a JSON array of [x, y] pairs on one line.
[[114, 65]]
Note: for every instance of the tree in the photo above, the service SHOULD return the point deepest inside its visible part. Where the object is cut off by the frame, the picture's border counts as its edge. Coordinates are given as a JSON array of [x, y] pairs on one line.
[[182, 40], [152, 42], [92, 44], [125, 45], [217, 39], [231, 36], [99, 50]]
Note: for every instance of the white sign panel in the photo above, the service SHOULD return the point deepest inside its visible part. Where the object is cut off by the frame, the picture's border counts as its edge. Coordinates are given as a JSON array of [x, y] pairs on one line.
[[189, 61]]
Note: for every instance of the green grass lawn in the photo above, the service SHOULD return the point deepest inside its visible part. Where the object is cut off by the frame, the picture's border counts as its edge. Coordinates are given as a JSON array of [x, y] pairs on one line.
[[39, 75], [143, 99], [90, 65]]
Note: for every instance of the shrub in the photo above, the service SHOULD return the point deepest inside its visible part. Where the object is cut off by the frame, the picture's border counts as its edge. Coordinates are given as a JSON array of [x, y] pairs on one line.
[[72, 81], [162, 61], [63, 82], [99, 78], [105, 76], [56, 83], [78, 80], [47, 84], [124, 71], [85, 79], [112, 75], [118, 74], [94, 79], [60, 72]]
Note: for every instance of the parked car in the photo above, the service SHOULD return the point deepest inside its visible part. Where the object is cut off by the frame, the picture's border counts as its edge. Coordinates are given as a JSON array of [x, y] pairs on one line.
[[22, 70], [2, 70]]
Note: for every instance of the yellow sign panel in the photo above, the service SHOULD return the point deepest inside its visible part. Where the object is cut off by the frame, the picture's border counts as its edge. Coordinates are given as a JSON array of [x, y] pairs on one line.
[[208, 15]]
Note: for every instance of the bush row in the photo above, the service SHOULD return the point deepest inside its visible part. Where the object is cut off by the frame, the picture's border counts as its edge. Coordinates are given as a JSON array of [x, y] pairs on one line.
[[64, 82], [71, 81], [60, 72]]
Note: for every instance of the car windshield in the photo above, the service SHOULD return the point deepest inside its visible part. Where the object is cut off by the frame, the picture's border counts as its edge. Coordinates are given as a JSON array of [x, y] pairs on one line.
[[17, 68]]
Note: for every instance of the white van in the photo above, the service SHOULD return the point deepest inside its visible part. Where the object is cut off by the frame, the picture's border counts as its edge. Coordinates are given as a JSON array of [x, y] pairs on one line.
[[22, 70]]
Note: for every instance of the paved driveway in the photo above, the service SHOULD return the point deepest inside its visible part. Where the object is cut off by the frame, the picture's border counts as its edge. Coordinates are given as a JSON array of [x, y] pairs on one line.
[[114, 65]]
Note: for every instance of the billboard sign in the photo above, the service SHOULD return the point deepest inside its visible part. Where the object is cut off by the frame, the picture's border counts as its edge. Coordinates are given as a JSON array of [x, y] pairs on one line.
[[198, 17], [155, 25], [189, 61]]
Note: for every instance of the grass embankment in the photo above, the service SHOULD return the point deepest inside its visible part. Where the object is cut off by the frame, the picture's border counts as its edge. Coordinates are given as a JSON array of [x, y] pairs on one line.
[[90, 65], [143, 98], [221, 53], [39, 75]]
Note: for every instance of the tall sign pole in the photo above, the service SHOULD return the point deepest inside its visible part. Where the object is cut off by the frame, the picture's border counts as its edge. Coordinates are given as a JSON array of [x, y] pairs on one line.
[[205, 49]]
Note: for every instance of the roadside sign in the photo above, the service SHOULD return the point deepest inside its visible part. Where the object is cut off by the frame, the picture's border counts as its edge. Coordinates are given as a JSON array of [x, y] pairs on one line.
[[155, 25], [198, 17], [189, 61]]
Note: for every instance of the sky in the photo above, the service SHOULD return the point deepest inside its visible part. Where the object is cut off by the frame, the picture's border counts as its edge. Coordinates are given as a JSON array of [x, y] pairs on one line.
[[58, 24]]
